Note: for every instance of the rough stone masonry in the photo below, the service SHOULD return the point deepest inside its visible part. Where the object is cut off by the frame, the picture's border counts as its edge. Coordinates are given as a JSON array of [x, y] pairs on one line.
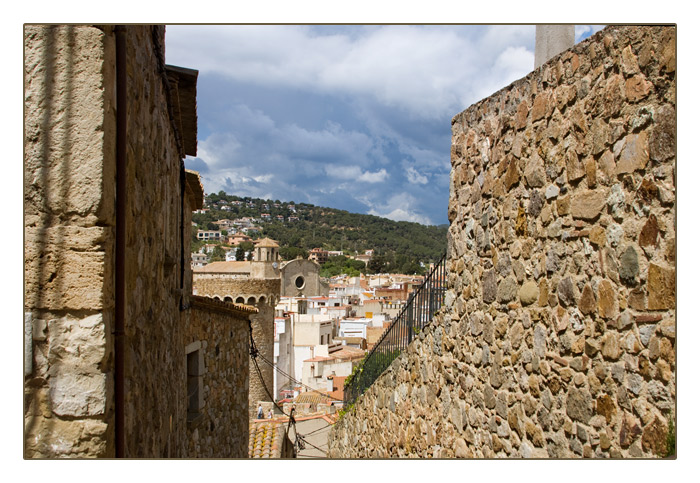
[[557, 339]]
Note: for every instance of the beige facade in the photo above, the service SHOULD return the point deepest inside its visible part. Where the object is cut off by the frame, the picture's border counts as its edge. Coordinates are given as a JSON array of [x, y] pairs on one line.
[[558, 336], [110, 327], [300, 278]]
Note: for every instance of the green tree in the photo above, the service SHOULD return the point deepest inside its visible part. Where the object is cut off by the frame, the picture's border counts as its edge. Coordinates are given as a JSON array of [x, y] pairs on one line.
[[218, 254], [376, 264]]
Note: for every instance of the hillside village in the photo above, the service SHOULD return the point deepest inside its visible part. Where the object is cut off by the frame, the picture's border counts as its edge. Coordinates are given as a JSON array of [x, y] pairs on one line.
[[227, 222]]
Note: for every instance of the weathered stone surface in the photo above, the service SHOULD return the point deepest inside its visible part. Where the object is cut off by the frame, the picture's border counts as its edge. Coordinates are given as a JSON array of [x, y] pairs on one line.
[[566, 292], [540, 106], [597, 236], [629, 266], [521, 115], [662, 140], [629, 430], [521, 223], [599, 136], [614, 234], [634, 154], [611, 346], [606, 407], [572, 367], [649, 236], [607, 300], [616, 201], [535, 205], [551, 192], [489, 286], [654, 437], [661, 285], [575, 169], [512, 176], [648, 191], [578, 405], [587, 303], [637, 88], [587, 204], [534, 173], [529, 293]]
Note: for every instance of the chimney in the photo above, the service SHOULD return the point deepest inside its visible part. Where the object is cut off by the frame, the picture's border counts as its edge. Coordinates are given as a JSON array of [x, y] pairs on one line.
[[551, 40]]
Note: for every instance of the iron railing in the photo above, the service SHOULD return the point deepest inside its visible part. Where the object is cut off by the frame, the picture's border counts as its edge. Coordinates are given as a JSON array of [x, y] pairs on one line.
[[419, 310]]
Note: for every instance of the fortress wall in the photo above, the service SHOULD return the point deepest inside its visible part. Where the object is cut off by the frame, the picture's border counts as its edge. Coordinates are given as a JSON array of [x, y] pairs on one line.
[[559, 330]]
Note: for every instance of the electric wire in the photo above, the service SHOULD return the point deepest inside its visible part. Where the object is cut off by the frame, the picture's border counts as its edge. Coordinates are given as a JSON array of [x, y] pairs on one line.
[[254, 354], [291, 379], [300, 441]]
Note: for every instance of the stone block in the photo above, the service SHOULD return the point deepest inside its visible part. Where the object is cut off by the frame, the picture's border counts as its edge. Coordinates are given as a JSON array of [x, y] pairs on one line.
[[634, 154], [528, 293], [608, 306], [661, 285], [629, 266], [587, 204], [78, 395]]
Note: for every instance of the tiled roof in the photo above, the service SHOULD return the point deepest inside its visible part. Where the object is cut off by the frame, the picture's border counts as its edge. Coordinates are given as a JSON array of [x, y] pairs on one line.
[[311, 397], [319, 359], [266, 439], [266, 242]]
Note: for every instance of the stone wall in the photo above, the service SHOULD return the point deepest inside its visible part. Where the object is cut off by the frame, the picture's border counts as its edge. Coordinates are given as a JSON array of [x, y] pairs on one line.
[[558, 334], [263, 324], [69, 241], [155, 391], [309, 285], [70, 261], [221, 332]]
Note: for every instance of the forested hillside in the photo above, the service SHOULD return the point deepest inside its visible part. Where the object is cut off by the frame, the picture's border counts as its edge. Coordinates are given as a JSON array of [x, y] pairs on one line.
[[305, 226]]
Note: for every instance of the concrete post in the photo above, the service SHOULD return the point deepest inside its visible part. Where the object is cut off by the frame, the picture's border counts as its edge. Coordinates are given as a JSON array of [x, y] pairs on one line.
[[551, 40]]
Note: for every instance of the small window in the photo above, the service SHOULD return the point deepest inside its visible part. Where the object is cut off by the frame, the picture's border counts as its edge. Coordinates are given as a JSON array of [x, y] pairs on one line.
[[195, 382], [299, 282]]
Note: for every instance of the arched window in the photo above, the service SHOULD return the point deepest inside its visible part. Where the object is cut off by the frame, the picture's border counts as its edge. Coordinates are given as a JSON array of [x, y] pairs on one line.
[[240, 300], [228, 299], [251, 300]]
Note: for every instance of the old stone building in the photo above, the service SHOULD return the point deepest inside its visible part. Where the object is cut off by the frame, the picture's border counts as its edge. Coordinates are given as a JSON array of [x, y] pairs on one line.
[[260, 283], [558, 335], [120, 359], [257, 284], [301, 278]]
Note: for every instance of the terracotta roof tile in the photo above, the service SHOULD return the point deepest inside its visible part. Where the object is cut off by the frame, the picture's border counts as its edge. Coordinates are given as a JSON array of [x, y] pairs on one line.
[[266, 439]]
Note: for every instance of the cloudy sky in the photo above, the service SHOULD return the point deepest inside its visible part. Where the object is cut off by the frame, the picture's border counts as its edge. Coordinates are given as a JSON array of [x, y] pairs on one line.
[[347, 116]]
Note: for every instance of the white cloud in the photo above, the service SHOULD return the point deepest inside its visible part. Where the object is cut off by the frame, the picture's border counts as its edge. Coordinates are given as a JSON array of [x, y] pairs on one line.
[[424, 70], [414, 177], [399, 207], [389, 93], [376, 177]]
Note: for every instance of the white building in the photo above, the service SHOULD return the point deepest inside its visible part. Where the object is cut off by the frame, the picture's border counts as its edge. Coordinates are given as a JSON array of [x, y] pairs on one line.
[[283, 355]]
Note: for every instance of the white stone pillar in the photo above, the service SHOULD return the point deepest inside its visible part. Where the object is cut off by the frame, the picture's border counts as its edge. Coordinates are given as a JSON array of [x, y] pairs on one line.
[[551, 40]]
